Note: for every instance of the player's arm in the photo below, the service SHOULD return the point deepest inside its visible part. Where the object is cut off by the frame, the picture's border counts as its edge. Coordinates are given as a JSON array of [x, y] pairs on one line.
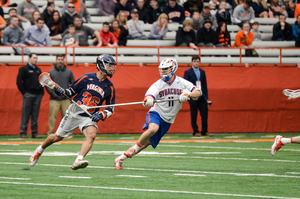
[[149, 100], [186, 95], [73, 89]]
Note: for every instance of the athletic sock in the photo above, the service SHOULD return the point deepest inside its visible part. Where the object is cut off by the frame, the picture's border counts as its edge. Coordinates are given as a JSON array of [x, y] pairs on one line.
[[123, 156], [286, 140], [137, 147], [79, 157], [40, 149]]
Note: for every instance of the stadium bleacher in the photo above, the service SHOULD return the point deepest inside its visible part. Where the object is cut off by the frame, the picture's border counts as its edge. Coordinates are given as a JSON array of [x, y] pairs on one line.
[[159, 49]]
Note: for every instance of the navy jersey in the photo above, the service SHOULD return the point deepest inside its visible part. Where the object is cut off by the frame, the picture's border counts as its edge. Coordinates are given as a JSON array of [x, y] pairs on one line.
[[90, 91]]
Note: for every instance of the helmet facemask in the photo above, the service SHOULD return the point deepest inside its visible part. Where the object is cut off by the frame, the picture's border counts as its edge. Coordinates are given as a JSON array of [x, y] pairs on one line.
[[106, 64], [167, 68]]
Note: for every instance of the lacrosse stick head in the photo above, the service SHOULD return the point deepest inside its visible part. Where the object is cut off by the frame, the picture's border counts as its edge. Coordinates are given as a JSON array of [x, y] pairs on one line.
[[45, 80]]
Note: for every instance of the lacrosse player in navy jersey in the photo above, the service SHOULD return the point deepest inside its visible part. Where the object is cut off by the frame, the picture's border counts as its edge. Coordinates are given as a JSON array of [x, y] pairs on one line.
[[161, 115], [91, 89]]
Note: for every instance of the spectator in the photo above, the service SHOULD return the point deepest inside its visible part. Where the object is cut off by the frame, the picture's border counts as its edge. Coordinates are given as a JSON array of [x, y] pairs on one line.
[[193, 5], [136, 26], [106, 8], [69, 15], [197, 23], [48, 12], [159, 28], [63, 76], [55, 24], [213, 4], [13, 12], [4, 3], [28, 84], [243, 12], [124, 6], [80, 9], [206, 36], [222, 15], [82, 31], [197, 77], [261, 9], [154, 11], [122, 18], [70, 39], [33, 21], [290, 9], [108, 38], [223, 35], [55, 6], [297, 10], [282, 31], [296, 27], [206, 15], [276, 8], [257, 34], [235, 3], [2, 27], [175, 12], [143, 11], [185, 35], [120, 32], [26, 9], [162, 4], [36, 35]]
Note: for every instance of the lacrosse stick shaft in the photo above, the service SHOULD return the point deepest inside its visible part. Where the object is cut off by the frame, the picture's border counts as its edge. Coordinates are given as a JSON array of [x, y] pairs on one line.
[[130, 103], [77, 105]]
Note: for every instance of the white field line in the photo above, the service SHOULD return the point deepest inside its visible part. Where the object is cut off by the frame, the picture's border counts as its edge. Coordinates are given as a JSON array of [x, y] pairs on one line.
[[192, 175], [295, 173], [215, 153], [75, 177], [132, 176], [164, 170], [8, 178], [145, 190]]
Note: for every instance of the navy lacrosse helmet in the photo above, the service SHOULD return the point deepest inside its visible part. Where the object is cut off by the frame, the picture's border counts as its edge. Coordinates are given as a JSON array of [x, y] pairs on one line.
[[103, 60]]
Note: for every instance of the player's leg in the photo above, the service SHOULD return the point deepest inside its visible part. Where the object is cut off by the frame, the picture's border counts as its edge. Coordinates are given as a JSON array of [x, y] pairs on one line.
[[90, 133], [281, 140]]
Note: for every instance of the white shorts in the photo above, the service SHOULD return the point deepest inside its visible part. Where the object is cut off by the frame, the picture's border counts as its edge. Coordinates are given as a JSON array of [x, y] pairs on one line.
[[68, 124]]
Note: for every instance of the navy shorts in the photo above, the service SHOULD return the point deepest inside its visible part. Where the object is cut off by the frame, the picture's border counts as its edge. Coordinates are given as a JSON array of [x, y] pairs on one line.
[[153, 117]]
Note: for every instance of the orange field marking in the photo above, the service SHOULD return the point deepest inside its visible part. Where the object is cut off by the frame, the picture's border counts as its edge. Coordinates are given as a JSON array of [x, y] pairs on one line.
[[163, 141]]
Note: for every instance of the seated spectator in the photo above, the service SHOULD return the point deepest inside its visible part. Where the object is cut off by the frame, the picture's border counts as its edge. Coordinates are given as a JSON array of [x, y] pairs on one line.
[[33, 21], [120, 32], [297, 10], [82, 31], [206, 15], [223, 35], [122, 18], [160, 27], [143, 11], [55, 6], [257, 34], [154, 11], [2, 26], [48, 12], [243, 12], [70, 39], [124, 6], [108, 38], [13, 12], [26, 8], [69, 15], [282, 31], [206, 36], [185, 35], [13, 34], [136, 26], [261, 9], [296, 27], [80, 9], [162, 4], [213, 4], [106, 8], [55, 24], [290, 9], [193, 5], [36, 35], [175, 12], [276, 8], [222, 14], [197, 23], [4, 3]]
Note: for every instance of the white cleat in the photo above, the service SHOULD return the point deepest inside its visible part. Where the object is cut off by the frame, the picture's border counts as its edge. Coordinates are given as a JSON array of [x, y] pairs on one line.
[[80, 164], [277, 144], [35, 156], [118, 163]]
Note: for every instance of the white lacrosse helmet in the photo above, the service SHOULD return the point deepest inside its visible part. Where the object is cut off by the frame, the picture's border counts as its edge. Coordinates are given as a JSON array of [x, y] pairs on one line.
[[167, 68]]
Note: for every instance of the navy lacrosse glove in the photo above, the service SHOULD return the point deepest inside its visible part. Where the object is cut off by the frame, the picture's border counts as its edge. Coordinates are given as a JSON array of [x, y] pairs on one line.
[[97, 116], [59, 91]]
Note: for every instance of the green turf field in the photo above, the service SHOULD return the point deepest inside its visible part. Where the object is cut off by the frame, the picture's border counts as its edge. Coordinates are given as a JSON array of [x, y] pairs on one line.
[[177, 169]]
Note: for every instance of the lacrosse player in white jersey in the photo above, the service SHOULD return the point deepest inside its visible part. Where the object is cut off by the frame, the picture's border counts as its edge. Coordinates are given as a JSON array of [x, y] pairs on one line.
[[161, 115]]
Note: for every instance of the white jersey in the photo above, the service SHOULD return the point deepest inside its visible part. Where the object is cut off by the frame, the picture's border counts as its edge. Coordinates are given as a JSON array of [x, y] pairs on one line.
[[162, 90]]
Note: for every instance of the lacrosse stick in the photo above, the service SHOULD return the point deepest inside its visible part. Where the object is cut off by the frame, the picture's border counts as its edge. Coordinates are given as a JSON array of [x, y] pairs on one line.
[[45, 80], [130, 103], [291, 94]]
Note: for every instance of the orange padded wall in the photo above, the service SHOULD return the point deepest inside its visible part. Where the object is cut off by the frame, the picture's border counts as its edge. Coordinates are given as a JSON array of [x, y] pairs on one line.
[[244, 100]]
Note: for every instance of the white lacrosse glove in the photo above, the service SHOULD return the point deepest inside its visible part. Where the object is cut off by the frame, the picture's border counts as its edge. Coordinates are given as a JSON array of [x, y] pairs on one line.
[[148, 101], [184, 97]]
